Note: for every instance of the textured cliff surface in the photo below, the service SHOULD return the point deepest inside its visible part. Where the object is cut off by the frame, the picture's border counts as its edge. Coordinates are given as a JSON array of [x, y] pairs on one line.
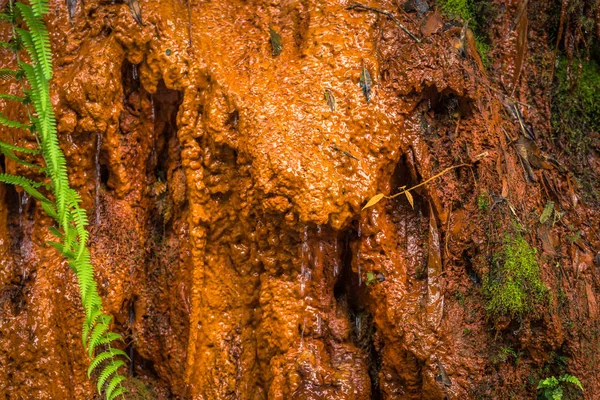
[[226, 193]]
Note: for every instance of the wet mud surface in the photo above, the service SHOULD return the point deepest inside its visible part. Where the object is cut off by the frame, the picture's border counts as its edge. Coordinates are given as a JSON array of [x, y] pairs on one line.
[[225, 197]]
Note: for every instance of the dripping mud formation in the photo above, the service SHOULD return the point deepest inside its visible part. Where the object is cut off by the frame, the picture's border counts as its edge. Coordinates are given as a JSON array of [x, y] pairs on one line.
[[225, 195]]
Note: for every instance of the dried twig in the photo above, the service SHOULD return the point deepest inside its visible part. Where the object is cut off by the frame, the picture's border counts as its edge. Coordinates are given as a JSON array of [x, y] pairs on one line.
[[362, 7], [343, 152], [189, 10], [378, 197]]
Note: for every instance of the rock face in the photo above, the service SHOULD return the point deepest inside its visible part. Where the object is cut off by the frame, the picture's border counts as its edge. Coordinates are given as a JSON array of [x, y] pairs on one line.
[[225, 192]]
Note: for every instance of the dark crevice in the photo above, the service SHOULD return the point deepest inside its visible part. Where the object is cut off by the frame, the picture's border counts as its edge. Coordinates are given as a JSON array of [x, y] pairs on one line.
[[353, 297], [130, 350], [129, 78], [15, 216], [471, 273], [447, 103], [165, 159], [104, 175]]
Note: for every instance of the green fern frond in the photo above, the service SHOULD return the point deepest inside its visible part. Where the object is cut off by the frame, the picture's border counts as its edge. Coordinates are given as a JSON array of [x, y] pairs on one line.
[[572, 380], [5, 16], [80, 218], [49, 209], [14, 45], [99, 330], [107, 372], [39, 7], [19, 148], [12, 97], [9, 149], [7, 73], [39, 35], [59, 235], [28, 185], [110, 353], [89, 323], [72, 220], [112, 385], [12, 124], [119, 392], [38, 97], [109, 337]]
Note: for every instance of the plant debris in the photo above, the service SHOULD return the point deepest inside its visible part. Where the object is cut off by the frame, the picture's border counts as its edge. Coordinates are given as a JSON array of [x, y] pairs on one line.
[[71, 8], [377, 198], [420, 6], [330, 99], [334, 147], [365, 83], [362, 7], [136, 11], [275, 42]]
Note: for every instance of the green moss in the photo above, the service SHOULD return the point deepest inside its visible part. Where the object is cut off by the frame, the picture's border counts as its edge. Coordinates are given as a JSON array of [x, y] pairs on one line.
[[476, 12], [513, 286], [483, 202], [483, 49], [462, 9], [576, 104]]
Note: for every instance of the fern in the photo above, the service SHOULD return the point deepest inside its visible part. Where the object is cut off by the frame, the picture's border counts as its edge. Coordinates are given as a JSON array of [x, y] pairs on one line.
[[71, 219], [7, 73], [552, 388], [12, 124]]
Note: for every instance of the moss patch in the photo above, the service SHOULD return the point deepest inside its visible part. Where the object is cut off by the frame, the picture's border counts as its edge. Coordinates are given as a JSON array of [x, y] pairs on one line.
[[576, 111], [576, 116], [513, 286], [476, 12]]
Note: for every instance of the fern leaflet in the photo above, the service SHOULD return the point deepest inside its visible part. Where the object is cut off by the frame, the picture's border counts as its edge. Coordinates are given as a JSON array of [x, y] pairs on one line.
[[71, 231]]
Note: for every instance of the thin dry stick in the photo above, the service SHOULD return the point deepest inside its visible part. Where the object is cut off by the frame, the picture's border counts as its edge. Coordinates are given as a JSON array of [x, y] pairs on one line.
[[362, 7], [378, 197], [429, 180], [189, 10]]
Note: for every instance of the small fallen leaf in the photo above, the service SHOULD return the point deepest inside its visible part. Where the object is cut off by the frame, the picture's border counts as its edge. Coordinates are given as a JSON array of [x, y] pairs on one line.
[[547, 212], [275, 42], [330, 99], [374, 200], [410, 199], [365, 83], [71, 8], [370, 278], [504, 187], [136, 11]]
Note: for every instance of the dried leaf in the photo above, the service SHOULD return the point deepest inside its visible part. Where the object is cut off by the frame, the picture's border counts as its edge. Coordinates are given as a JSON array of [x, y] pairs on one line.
[[471, 46], [330, 99], [365, 83], [547, 212], [136, 11], [71, 8], [410, 199], [374, 200], [275, 42]]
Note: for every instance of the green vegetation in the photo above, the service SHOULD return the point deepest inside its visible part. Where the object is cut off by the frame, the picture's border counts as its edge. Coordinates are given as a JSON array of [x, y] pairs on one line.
[[576, 112], [547, 213], [483, 202], [476, 12], [553, 388], [576, 116], [507, 353], [51, 189], [513, 286]]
